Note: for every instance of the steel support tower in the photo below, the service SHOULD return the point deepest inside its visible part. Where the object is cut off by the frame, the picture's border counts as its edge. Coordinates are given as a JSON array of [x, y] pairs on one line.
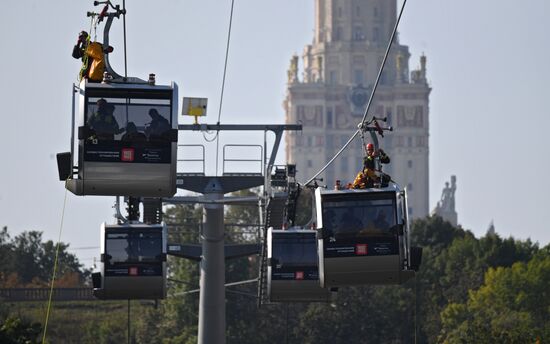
[[214, 252]]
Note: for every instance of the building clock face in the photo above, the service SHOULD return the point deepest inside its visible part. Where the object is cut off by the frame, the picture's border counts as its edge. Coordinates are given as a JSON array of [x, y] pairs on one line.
[[359, 97]]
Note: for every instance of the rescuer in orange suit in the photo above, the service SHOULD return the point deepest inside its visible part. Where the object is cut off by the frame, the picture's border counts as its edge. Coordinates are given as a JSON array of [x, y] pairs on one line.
[[367, 176]]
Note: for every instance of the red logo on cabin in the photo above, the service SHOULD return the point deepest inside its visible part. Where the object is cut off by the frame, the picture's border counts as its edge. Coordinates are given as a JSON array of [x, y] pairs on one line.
[[133, 271], [361, 249], [299, 275], [127, 154]]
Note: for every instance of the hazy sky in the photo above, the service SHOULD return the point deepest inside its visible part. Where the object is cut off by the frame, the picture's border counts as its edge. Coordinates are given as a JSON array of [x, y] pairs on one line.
[[487, 65]]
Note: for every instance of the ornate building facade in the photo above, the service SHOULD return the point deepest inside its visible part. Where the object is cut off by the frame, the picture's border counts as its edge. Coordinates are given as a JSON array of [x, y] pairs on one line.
[[339, 70]]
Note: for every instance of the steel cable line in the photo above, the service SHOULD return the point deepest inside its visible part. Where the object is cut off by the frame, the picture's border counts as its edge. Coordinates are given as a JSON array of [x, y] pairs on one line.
[[124, 33], [363, 121], [223, 84], [54, 268]]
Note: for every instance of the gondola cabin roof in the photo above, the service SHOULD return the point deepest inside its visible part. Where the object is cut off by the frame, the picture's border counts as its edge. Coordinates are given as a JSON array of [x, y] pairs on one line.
[[135, 90], [127, 140], [133, 262], [389, 188], [293, 273]]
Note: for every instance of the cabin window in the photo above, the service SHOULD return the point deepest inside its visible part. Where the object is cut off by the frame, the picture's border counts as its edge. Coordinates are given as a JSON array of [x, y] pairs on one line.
[[364, 215], [133, 247], [125, 118], [297, 251], [117, 247]]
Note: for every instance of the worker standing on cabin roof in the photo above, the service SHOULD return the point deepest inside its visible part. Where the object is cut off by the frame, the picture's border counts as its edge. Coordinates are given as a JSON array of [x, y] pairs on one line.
[[92, 55], [367, 177], [80, 47]]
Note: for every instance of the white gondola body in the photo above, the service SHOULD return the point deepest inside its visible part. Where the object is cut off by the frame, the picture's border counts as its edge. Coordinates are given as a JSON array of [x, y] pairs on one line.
[[133, 262], [293, 270], [118, 166], [363, 236]]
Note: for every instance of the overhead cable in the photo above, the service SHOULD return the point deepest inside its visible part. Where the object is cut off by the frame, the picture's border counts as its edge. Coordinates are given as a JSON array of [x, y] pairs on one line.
[[223, 83], [370, 98]]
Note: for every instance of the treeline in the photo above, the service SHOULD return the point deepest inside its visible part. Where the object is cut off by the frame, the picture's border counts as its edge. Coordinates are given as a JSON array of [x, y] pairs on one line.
[[468, 290], [27, 261]]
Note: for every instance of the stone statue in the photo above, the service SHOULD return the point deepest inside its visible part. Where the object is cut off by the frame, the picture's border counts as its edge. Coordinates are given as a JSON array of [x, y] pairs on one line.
[[292, 72], [446, 205], [319, 69], [452, 193], [447, 202], [400, 67]]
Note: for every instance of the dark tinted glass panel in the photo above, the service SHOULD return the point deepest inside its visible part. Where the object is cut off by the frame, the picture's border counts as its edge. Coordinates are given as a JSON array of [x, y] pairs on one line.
[[117, 247], [359, 215], [125, 119], [146, 247], [295, 251], [134, 247]]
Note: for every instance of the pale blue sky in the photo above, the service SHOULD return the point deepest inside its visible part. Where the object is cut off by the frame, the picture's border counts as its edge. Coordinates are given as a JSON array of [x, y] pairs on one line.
[[487, 64]]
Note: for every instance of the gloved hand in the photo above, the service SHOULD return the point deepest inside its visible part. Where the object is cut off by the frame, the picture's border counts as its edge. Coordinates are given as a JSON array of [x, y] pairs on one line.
[[82, 37]]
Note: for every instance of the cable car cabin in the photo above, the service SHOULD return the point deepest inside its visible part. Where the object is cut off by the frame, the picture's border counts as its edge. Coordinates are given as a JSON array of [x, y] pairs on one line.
[[127, 140], [293, 272], [133, 262], [363, 236]]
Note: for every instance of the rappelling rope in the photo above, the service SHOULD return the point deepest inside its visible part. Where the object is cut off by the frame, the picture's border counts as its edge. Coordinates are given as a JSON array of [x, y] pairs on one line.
[[85, 57], [124, 33], [334, 157], [223, 83], [363, 121], [415, 305], [55, 266]]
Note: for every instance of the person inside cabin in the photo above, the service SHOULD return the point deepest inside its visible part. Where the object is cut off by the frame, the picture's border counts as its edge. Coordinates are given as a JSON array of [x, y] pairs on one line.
[[330, 221], [102, 122], [159, 126], [349, 223], [133, 135], [381, 221], [367, 177], [92, 55]]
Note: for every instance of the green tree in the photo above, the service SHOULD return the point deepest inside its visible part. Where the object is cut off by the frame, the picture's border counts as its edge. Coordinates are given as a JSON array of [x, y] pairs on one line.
[[512, 306], [27, 260], [454, 262], [14, 330], [374, 314]]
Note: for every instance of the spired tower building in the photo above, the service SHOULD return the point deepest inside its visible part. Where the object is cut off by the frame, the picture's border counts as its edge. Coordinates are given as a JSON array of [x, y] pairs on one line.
[[330, 97]]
